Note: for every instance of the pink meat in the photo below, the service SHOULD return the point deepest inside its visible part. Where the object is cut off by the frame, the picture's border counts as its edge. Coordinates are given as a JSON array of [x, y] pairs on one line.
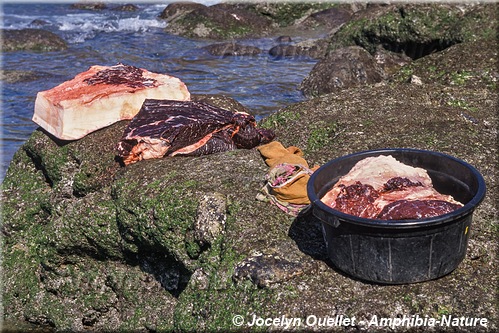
[[101, 96], [383, 188]]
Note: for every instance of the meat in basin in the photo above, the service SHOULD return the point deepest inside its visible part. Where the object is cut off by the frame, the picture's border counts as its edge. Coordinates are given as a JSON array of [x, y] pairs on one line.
[[383, 188]]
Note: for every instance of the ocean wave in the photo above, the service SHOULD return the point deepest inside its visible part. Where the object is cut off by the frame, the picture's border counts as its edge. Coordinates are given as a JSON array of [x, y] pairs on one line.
[[105, 24], [82, 26]]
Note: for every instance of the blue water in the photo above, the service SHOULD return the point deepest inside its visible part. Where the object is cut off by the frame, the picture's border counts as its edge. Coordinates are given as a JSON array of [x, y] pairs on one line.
[[263, 84]]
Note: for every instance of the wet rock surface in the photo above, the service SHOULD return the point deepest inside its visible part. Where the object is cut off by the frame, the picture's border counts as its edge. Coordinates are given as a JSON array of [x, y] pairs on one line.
[[240, 20], [331, 19], [265, 269], [181, 244], [390, 62], [12, 76], [309, 48], [416, 29], [211, 219], [177, 9], [219, 22], [31, 40], [232, 49], [89, 5], [343, 68]]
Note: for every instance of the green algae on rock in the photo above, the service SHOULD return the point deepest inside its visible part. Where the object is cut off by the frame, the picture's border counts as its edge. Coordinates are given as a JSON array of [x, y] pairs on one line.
[[37, 40], [89, 244], [228, 21], [417, 29]]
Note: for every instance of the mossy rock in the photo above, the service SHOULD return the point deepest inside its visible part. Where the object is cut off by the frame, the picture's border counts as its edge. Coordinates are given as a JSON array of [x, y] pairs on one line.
[[152, 215], [225, 21], [287, 13], [31, 40], [76, 167], [89, 6], [454, 67], [219, 23], [87, 227], [417, 29], [135, 261]]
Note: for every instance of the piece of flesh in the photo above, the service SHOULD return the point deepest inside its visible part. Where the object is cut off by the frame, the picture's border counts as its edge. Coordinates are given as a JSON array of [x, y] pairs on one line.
[[100, 97], [169, 128], [383, 188]]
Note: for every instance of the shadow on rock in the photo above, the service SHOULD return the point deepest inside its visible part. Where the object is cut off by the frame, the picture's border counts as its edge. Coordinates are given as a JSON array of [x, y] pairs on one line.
[[170, 273], [306, 231]]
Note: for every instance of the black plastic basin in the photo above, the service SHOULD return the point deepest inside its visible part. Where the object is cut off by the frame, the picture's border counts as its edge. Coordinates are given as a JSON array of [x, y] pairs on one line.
[[399, 251]]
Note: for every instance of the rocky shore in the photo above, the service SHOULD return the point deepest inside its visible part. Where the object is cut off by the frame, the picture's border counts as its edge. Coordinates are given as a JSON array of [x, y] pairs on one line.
[[181, 244]]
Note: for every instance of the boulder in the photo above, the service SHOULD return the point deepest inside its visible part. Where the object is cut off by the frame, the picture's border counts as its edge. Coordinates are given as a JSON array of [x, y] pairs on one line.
[[343, 68], [284, 39], [290, 13], [126, 8], [232, 49], [31, 40], [220, 101], [181, 244], [86, 5], [177, 9], [12, 76], [220, 22], [313, 48], [455, 67], [241, 20], [38, 23], [331, 18], [390, 61], [416, 29]]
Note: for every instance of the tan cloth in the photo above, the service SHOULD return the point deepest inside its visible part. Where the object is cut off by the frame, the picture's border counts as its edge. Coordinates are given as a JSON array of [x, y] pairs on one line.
[[294, 189], [274, 153]]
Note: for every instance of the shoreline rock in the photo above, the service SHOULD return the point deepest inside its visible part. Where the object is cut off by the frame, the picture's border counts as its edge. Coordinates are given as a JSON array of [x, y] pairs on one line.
[[416, 30], [309, 48], [37, 40], [244, 20], [232, 49], [84, 236], [218, 22], [181, 244], [343, 68]]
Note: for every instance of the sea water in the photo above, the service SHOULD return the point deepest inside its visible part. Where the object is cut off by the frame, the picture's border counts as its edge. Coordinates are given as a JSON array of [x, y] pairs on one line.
[[262, 83]]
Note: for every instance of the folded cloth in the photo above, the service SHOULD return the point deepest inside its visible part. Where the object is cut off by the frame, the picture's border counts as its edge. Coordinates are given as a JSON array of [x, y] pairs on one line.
[[291, 209], [286, 181], [286, 187], [274, 153]]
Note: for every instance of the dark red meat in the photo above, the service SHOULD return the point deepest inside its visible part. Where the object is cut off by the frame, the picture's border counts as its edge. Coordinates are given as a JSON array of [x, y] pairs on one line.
[[416, 209], [168, 128], [399, 183], [383, 188], [357, 199]]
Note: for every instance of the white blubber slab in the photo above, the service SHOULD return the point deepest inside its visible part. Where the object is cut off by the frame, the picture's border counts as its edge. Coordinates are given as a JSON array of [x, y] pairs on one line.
[[100, 97]]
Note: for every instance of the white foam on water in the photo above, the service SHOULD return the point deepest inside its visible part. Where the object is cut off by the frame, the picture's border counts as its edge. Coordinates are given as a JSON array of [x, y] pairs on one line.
[[101, 23], [138, 24], [78, 27]]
